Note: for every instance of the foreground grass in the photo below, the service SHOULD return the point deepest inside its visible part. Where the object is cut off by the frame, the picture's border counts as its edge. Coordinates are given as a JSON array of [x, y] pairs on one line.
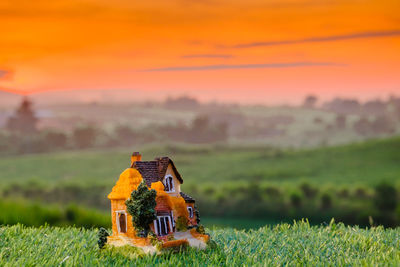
[[296, 244]]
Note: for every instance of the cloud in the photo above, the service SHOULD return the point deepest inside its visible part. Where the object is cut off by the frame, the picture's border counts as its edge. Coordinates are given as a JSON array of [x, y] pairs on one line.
[[244, 66], [3, 73], [331, 38], [208, 56]]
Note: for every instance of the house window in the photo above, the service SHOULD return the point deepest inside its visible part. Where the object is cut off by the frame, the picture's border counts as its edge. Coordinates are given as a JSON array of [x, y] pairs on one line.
[[169, 184], [163, 225], [121, 221], [190, 210]]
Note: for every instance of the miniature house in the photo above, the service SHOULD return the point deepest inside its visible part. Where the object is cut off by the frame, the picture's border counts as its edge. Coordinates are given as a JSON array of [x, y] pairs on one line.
[[173, 206]]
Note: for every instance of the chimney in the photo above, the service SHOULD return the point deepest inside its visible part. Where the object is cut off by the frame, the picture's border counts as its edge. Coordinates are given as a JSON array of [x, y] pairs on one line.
[[135, 157]]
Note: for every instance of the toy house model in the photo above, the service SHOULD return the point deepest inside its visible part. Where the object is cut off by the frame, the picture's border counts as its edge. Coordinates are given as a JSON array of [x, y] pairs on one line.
[[174, 209]]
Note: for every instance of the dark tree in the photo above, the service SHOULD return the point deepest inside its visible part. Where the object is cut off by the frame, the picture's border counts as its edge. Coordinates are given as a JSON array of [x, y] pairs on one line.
[[200, 123], [199, 132], [310, 101], [141, 206], [126, 135], [56, 139], [308, 190], [84, 137], [375, 107], [24, 120], [362, 126], [183, 102], [295, 200], [395, 106], [385, 197], [385, 200], [326, 201], [218, 132], [383, 125], [397, 112], [318, 120], [343, 106], [341, 121]]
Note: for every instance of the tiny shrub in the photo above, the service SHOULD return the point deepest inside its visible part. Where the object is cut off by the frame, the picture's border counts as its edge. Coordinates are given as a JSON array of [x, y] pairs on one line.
[[181, 224], [102, 235]]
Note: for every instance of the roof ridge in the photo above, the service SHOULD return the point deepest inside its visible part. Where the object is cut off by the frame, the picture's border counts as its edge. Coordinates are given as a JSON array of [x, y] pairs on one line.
[[154, 170]]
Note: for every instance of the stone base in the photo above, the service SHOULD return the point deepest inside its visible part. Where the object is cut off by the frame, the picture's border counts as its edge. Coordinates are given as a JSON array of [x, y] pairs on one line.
[[181, 239]]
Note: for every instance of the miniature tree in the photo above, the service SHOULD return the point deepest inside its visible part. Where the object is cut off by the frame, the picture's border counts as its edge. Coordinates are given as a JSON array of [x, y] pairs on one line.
[[102, 235], [141, 206], [200, 228], [197, 213], [181, 224]]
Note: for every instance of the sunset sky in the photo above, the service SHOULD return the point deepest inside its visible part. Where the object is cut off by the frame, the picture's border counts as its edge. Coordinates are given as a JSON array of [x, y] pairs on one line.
[[252, 51]]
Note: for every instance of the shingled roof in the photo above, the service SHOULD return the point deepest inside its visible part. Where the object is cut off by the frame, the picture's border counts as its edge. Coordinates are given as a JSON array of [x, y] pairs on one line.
[[187, 198], [154, 171]]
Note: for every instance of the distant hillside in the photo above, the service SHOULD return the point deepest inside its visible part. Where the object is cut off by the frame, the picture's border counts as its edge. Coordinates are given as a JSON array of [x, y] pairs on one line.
[[364, 163], [229, 181]]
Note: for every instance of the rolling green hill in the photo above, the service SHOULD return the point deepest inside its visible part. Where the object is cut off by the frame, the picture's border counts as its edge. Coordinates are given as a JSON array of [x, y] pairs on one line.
[[363, 163], [288, 245], [242, 183]]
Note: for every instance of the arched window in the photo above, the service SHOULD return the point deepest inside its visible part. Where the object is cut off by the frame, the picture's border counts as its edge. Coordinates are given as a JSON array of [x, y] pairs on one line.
[[169, 184], [190, 211]]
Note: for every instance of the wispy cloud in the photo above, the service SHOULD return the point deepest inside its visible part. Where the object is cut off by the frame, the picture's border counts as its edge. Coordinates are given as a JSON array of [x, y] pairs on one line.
[[245, 66], [208, 56], [331, 38]]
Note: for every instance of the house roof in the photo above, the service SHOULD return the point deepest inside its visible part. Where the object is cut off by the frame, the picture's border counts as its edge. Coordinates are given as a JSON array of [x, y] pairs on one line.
[[187, 198], [154, 171], [127, 182]]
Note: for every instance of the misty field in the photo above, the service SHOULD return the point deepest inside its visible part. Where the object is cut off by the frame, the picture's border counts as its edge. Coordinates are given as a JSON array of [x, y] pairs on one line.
[[285, 244]]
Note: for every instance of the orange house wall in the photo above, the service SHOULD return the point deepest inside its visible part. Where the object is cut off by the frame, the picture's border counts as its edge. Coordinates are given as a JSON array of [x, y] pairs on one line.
[[119, 204]]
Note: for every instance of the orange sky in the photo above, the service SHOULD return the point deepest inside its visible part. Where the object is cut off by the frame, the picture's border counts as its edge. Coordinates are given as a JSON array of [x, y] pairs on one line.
[[253, 51]]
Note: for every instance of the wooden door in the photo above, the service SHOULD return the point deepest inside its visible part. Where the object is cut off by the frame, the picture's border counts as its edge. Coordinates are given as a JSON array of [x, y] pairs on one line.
[[122, 222]]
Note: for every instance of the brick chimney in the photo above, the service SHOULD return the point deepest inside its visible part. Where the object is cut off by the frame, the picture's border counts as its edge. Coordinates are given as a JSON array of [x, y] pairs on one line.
[[135, 157]]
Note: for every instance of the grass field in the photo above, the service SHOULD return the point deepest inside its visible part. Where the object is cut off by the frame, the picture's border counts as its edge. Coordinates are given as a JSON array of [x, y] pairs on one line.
[[364, 163], [297, 244], [252, 186]]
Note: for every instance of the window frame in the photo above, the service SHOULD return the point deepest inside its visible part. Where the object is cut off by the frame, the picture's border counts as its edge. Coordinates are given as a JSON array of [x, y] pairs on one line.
[[167, 225], [190, 210], [170, 186], [117, 213]]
